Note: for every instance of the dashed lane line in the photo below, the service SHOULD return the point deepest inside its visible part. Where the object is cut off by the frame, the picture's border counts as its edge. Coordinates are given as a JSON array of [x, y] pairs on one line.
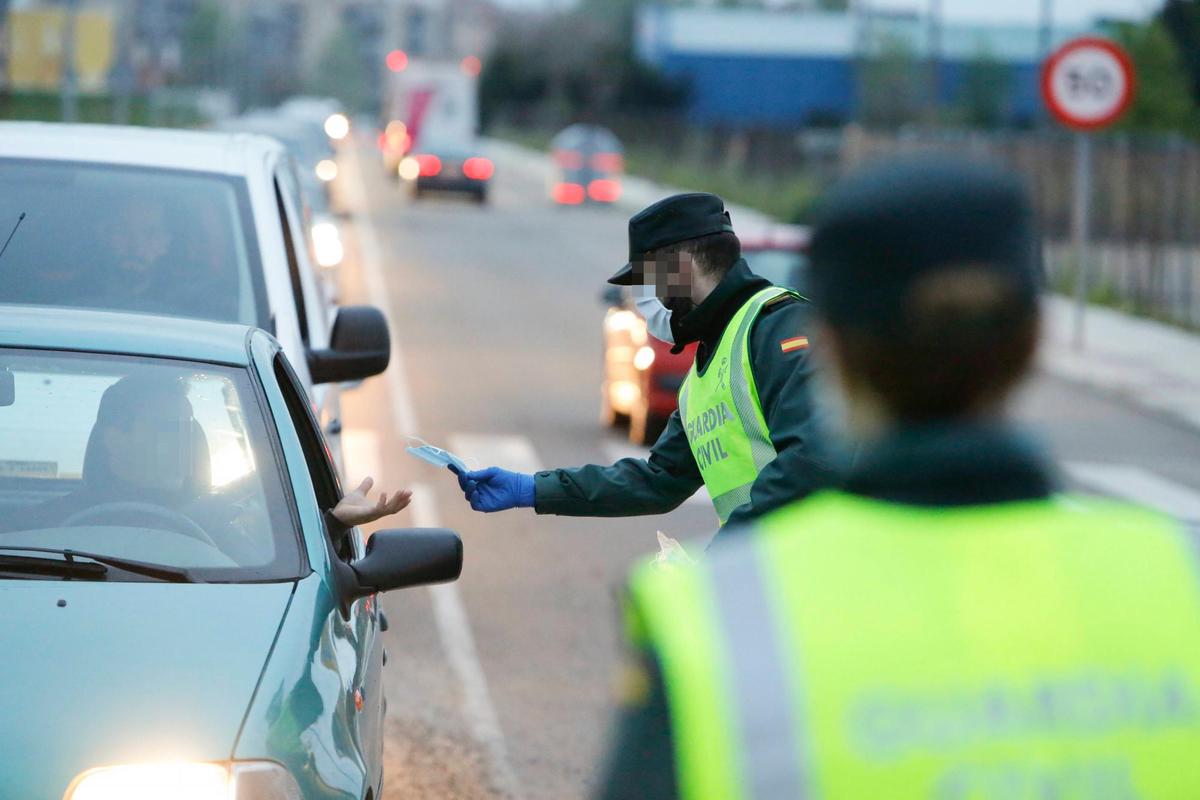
[[1138, 485], [450, 616], [510, 452], [360, 454]]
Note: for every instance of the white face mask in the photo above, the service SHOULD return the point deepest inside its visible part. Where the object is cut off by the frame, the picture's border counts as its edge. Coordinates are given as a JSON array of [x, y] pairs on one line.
[[658, 318]]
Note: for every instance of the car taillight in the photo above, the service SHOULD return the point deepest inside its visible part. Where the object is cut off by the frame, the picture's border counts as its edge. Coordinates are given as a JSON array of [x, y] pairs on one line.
[[429, 164], [608, 162], [479, 169], [604, 190], [568, 159], [570, 194]]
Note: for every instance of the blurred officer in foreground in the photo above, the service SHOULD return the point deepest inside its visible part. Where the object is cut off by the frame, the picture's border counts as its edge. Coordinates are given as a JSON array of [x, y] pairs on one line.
[[944, 626], [745, 427]]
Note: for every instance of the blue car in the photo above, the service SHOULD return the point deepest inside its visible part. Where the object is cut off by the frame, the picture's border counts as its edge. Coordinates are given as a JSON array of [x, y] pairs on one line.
[[181, 617]]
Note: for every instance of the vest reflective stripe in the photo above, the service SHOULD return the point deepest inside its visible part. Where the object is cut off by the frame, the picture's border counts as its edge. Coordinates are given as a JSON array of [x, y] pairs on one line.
[[767, 734], [675, 613], [722, 415], [1024, 650]]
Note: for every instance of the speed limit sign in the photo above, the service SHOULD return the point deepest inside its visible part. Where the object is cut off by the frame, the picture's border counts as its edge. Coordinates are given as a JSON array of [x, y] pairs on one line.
[[1087, 83]]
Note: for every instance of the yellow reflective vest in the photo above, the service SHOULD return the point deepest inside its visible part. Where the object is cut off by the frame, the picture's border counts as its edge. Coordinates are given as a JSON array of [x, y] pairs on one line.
[[722, 415], [852, 648]]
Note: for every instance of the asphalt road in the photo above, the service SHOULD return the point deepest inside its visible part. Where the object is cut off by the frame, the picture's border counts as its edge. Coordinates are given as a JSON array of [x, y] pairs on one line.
[[499, 685]]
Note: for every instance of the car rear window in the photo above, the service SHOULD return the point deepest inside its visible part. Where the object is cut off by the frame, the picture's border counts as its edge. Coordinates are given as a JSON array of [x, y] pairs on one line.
[[130, 239], [161, 461]]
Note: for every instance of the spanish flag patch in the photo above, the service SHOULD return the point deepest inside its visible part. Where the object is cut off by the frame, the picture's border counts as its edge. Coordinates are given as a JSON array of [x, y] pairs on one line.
[[795, 343]]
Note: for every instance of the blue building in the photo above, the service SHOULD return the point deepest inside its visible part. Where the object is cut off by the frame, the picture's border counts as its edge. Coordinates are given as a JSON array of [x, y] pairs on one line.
[[755, 68]]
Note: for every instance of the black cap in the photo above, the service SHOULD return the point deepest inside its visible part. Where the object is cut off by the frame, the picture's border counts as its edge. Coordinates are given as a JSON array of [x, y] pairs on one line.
[[881, 230], [671, 220]]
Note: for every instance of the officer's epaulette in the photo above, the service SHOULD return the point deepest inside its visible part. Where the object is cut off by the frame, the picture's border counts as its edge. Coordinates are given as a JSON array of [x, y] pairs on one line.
[[783, 298]]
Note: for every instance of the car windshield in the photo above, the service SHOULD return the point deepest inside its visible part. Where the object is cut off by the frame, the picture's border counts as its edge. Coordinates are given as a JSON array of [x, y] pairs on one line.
[[780, 267], [129, 239], [158, 461]]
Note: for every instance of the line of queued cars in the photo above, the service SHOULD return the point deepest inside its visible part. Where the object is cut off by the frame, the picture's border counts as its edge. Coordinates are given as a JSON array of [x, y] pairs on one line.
[[183, 616]]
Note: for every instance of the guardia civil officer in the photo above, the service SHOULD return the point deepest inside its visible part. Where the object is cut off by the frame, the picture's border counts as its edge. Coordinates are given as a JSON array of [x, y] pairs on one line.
[[745, 427], [945, 625]]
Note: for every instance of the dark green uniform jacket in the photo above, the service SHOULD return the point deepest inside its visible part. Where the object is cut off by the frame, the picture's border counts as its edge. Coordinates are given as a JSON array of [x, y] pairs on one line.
[[658, 484], [925, 466]]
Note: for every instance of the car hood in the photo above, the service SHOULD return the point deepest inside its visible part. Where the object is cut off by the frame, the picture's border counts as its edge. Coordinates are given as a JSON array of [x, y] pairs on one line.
[[109, 673]]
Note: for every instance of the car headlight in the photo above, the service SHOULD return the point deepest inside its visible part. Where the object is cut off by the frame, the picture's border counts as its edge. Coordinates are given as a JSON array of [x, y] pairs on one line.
[[409, 169], [643, 358], [327, 244], [247, 780], [326, 169]]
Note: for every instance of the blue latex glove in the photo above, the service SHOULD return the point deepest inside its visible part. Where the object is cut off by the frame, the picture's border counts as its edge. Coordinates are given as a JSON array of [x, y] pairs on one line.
[[495, 489]]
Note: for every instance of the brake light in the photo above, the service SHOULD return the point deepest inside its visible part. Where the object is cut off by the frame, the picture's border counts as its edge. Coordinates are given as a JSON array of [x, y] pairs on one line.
[[428, 164], [604, 190], [568, 159], [478, 169], [608, 162], [570, 194]]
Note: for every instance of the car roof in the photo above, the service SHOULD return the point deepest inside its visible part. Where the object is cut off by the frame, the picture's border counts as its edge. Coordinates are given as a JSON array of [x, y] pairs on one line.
[[87, 331], [203, 151]]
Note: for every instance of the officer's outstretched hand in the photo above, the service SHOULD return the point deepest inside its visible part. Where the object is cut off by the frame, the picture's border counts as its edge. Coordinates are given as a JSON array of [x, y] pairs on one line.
[[495, 489]]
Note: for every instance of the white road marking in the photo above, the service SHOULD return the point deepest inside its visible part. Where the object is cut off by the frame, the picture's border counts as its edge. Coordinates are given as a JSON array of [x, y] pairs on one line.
[[450, 615], [616, 450], [455, 630], [1138, 485], [485, 450], [360, 453]]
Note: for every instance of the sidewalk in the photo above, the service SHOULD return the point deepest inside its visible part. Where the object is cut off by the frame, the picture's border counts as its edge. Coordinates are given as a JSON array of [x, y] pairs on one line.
[[1153, 365]]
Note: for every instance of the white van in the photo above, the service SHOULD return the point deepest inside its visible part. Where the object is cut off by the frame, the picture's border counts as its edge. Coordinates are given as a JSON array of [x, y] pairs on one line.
[[183, 223]]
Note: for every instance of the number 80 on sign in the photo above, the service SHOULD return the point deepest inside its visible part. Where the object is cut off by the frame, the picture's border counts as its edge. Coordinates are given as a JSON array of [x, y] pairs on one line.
[[1088, 83]]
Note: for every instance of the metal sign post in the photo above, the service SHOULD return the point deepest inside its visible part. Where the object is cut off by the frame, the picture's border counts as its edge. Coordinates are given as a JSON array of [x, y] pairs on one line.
[[1080, 229], [1087, 84]]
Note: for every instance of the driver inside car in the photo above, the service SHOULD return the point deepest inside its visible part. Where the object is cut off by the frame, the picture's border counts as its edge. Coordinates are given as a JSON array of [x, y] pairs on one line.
[[147, 465]]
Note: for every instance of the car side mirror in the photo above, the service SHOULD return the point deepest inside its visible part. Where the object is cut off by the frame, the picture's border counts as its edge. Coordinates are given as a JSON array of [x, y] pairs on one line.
[[611, 296], [359, 347], [8, 387], [399, 559]]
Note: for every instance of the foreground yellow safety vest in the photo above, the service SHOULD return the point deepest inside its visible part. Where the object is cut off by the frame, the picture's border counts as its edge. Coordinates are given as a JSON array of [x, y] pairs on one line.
[[851, 648], [723, 417]]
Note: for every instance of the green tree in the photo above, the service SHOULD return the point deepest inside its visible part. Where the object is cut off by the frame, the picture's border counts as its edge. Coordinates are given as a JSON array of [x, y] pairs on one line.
[[569, 67], [984, 96], [341, 73], [204, 53], [890, 84], [511, 86], [1182, 20], [1162, 100]]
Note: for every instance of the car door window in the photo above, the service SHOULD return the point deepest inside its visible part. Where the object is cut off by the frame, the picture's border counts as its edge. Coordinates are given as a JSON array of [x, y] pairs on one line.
[[293, 264], [316, 452], [304, 283]]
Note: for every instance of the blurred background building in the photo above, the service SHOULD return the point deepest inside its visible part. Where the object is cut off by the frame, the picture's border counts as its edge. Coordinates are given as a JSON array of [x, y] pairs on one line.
[[758, 67], [258, 51]]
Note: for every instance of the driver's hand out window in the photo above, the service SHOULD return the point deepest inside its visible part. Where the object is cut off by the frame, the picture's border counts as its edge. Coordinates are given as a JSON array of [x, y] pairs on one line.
[[357, 508]]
